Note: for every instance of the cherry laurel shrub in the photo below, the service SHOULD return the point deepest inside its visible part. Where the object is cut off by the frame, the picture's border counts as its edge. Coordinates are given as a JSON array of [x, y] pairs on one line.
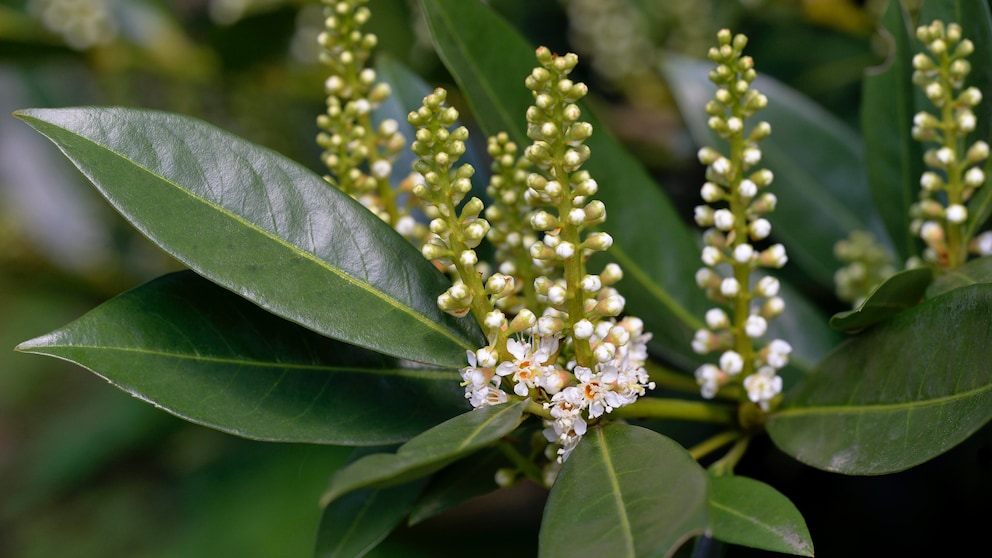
[[546, 315]]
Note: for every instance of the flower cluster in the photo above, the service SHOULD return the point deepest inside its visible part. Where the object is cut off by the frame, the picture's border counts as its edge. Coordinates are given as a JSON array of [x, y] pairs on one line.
[[736, 202], [83, 24], [956, 168], [555, 332], [867, 265], [359, 154]]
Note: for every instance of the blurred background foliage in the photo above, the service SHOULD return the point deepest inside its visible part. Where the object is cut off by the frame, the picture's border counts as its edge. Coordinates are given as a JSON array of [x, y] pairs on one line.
[[86, 470]]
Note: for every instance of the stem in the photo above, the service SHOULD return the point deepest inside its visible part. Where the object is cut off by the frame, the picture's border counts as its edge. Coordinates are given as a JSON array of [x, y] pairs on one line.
[[743, 344], [524, 465], [957, 244], [659, 408], [712, 444], [726, 464], [538, 410], [670, 379], [574, 267]]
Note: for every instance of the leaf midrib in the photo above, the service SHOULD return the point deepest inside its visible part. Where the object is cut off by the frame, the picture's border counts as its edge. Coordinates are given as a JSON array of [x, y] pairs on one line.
[[782, 534], [882, 407], [611, 474], [440, 375], [390, 301]]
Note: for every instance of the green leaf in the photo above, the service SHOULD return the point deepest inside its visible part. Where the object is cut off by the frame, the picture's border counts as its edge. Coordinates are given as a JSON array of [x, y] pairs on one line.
[[897, 395], [208, 356], [459, 482], [428, 452], [975, 19], [624, 491], [971, 273], [355, 524], [490, 60], [899, 292], [894, 158], [751, 513], [263, 227], [817, 160]]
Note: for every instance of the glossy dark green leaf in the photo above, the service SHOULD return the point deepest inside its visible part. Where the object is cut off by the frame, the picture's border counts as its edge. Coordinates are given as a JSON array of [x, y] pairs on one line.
[[750, 513], [975, 19], [817, 161], [263, 227], [894, 158], [459, 482], [490, 60], [625, 491], [897, 395], [354, 524], [899, 292], [207, 355], [428, 452], [973, 272]]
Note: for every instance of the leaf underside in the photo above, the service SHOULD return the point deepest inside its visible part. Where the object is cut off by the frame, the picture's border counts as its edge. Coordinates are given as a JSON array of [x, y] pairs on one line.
[[207, 355]]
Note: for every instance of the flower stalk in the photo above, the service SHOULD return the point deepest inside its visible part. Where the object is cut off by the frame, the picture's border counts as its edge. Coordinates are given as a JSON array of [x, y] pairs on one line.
[[737, 200], [941, 216]]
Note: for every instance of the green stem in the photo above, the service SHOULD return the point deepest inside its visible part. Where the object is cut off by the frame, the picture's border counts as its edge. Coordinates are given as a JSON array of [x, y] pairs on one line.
[[524, 465], [659, 408], [712, 444], [538, 410], [726, 464], [670, 379]]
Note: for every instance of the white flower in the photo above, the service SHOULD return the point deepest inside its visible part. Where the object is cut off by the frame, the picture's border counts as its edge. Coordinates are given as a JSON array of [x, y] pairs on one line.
[[591, 283], [930, 181], [755, 326], [721, 166], [743, 253], [710, 192], [703, 341], [703, 277], [709, 378], [711, 256], [723, 219], [982, 244], [956, 213], [530, 363], [773, 256], [773, 307], [565, 250], [747, 189], [481, 385], [731, 363], [486, 357], [759, 229], [975, 177], [762, 386], [767, 286], [777, 353], [605, 352], [729, 287], [946, 155], [716, 318], [582, 329], [381, 169], [752, 156]]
